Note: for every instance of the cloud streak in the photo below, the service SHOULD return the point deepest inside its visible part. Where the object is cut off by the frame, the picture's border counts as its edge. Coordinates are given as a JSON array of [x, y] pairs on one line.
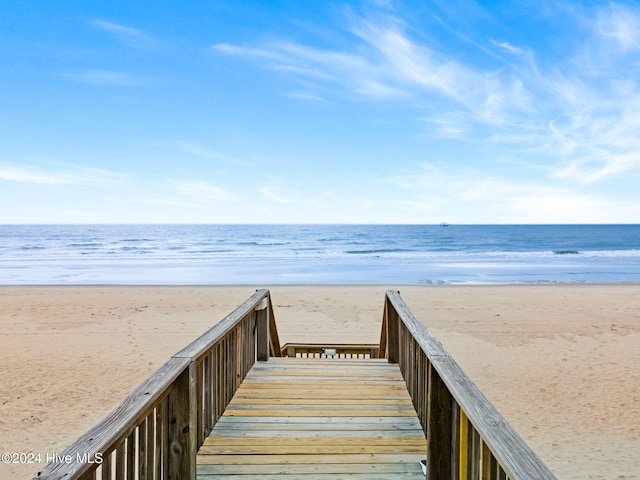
[[129, 35], [389, 65], [620, 24], [581, 119], [478, 198], [205, 152], [199, 192], [71, 176]]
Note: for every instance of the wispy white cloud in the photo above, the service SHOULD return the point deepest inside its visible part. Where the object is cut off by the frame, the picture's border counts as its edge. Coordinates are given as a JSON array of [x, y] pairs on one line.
[[117, 29], [130, 35], [199, 191], [59, 176], [600, 144], [104, 77], [620, 24], [389, 65], [506, 46], [594, 120], [261, 53], [471, 197], [580, 120]]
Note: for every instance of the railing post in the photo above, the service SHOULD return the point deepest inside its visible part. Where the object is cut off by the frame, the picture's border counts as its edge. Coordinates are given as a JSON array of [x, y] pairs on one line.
[[182, 405], [262, 328], [392, 331], [439, 421]]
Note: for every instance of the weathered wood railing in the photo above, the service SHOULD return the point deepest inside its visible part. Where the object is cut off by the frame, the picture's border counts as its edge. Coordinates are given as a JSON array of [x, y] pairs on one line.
[[467, 438], [323, 350], [154, 434]]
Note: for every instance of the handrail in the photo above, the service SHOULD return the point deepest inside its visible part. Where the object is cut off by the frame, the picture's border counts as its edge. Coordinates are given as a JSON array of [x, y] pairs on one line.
[[466, 435], [156, 431], [330, 350]]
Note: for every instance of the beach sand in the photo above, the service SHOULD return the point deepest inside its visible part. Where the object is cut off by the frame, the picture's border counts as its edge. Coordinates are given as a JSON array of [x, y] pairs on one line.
[[561, 362]]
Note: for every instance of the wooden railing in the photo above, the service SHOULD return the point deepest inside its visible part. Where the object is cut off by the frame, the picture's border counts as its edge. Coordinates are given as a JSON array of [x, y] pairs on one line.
[[154, 434], [322, 350], [467, 438]]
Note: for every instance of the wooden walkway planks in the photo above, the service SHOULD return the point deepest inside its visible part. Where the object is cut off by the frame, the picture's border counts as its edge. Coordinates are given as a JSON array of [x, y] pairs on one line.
[[313, 418]]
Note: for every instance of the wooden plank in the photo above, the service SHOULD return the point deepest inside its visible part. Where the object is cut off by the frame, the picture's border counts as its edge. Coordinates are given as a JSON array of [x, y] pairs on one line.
[[89, 475], [302, 449], [412, 421], [299, 429], [463, 446], [274, 341], [142, 450], [319, 394], [341, 348], [344, 364], [262, 328], [309, 377], [300, 432], [329, 387], [392, 322], [322, 413], [388, 469], [201, 388], [323, 476], [131, 456], [295, 416], [208, 401], [439, 415], [311, 410], [290, 362], [182, 428], [382, 349], [330, 374], [120, 461], [328, 391], [294, 441], [315, 394], [309, 459], [240, 399], [150, 450], [106, 466], [294, 423], [159, 426], [261, 410], [331, 368], [287, 383]]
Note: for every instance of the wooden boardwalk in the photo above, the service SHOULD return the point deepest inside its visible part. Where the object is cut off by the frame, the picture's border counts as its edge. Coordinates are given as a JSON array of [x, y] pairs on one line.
[[317, 418], [224, 407]]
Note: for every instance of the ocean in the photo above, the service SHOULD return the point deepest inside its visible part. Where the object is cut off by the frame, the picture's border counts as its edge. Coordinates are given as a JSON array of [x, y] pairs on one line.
[[318, 254]]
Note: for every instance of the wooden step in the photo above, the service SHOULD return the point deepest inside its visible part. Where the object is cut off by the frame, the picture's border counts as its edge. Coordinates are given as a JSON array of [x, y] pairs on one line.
[[310, 418]]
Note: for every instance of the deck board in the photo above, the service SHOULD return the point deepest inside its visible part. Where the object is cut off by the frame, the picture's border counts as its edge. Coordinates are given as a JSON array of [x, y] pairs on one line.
[[309, 418]]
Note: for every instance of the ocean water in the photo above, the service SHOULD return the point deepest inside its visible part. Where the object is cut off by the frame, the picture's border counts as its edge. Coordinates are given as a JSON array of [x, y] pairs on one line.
[[318, 254]]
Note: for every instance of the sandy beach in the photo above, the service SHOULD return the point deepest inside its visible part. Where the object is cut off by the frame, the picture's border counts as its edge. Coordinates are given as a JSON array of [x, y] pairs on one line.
[[561, 362]]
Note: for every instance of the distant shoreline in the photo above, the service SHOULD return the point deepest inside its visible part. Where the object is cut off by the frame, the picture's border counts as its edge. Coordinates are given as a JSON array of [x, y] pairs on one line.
[[319, 254]]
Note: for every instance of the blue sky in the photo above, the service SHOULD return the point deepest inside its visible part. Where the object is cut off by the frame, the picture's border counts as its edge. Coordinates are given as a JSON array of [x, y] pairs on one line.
[[320, 112]]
